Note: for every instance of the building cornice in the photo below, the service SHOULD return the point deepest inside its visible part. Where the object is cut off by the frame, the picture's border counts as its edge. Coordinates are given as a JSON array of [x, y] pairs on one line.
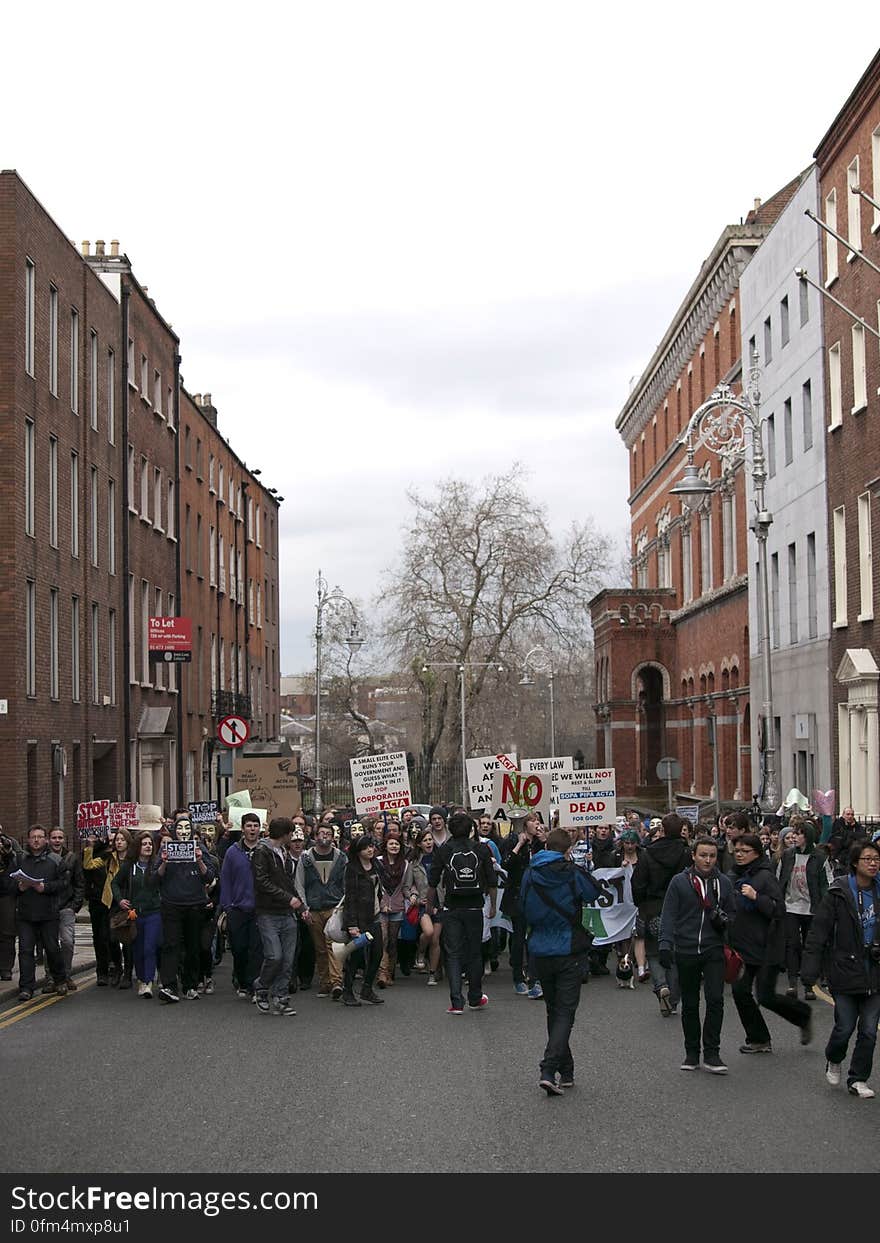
[[710, 598], [850, 115]]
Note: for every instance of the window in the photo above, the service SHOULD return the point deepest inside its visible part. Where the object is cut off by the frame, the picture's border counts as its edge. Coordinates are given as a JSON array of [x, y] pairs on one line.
[[222, 670], [839, 519], [169, 406], [774, 600], [786, 432], [132, 498], [860, 375], [145, 490], [213, 663], [239, 582], [157, 392], [812, 610], [74, 360], [29, 466], [807, 412], [132, 647], [866, 571], [831, 242], [74, 505], [771, 445], [257, 531], [96, 655], [158, 668], [157, 498], [145, 632], [875, 166], [53, 340], [111, 655], [199, 570], [834, 386], [53, 642], [198, 458], [74, 649], [259, 607], [132, 377], [30, 654], [853, 210], [187, 539], [111, 397], [53, 491], [220, 482], [250, 518], [111, 525], [792, 594], [145, 378], [251, 601], [187, 449], [171, 513], [784, 329], [768, 341], [211, 487], [221, 564], [93, 513], [231, 495], [232, 594], [93, 380], [804, 301], [212, 557], [30, 306], [172, 669]]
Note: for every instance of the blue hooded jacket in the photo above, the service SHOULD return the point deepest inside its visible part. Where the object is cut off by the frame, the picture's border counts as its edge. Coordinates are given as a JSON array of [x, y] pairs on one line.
[[569, 886]]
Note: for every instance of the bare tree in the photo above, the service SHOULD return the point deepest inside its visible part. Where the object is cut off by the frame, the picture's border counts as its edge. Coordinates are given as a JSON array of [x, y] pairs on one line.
[[479, 580]]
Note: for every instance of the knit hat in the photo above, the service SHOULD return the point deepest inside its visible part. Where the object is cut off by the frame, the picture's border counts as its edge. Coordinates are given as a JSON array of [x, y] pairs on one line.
[[439, 811]]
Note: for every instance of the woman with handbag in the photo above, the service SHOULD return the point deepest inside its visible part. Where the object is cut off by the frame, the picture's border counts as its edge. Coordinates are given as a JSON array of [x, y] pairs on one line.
[[107, 865], [136, 888], [399, 893], [758, 936]]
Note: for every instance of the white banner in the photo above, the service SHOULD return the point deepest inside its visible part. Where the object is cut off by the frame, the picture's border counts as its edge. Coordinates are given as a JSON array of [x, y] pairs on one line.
[[612, 916], [381, 782], [516, 791], [590, 798], [480, 772], [689, 812]]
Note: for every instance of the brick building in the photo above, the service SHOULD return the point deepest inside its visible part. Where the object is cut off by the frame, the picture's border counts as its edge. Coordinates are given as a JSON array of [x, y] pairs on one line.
[[672, 650], [91, 474], [849, 156]]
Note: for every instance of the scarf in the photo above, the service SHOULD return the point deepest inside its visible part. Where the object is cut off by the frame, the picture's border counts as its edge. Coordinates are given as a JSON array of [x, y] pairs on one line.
[[392, 874]]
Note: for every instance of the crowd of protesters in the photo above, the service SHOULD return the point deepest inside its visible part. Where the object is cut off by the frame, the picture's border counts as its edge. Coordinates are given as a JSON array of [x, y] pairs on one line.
[[347, 906]]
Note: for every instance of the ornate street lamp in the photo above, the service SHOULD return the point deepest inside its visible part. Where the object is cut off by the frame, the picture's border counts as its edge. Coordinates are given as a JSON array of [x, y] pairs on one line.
[[354, 639]]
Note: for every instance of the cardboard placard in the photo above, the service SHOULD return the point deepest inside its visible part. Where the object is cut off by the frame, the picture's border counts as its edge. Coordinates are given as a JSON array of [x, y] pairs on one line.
[[270, 781], [124, 816], [589, 799], [381, 782], [180, 852], [516, 791], [480, 772], [93, 819]]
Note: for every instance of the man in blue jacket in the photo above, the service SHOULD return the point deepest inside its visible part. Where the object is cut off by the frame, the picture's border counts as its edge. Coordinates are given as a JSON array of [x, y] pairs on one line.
[[552, 895]]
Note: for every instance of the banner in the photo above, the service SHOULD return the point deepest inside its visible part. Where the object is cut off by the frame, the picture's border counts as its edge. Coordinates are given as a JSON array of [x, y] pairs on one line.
[[591, 798], [612, 916], [516, 791], [93, 819], [480, 772], [124, 816], [180, 852], [689, 812], [380, 782], [202, 813]]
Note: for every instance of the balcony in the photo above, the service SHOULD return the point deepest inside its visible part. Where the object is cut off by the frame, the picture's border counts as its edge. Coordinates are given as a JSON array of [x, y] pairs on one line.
[[230, 703]]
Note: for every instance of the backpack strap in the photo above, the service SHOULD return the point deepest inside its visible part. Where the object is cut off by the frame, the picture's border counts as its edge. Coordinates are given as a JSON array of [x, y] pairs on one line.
[[544, 895]]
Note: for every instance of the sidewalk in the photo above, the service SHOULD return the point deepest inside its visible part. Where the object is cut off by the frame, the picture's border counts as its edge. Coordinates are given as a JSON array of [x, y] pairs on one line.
[[83, 960]]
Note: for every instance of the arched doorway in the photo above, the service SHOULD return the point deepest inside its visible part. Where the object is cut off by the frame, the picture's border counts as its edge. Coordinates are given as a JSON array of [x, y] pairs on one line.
[[650, 698]]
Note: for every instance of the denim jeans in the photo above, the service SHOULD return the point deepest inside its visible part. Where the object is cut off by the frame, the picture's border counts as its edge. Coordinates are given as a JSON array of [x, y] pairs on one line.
[[146, 946], [853, 1010], [756, 1030], [706, 969], [560, 978], [278, 934], [661, 975], [462, 941], [66, 937]]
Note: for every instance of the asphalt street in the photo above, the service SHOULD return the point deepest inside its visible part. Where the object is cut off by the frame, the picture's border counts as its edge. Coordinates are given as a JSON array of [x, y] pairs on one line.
[[104, 1081]]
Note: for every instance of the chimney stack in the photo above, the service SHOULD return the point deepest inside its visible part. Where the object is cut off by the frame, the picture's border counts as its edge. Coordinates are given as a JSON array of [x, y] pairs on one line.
[[207, 400], [197, 398], [114, 249], [99, 247], [86, 248], [757, 204]]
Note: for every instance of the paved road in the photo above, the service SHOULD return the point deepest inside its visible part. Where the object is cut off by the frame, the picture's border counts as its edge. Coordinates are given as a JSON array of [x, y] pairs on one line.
[[103, 1081]]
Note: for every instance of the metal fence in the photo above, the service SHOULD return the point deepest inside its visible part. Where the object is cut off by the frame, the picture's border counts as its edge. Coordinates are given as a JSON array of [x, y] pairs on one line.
[[441, 782]]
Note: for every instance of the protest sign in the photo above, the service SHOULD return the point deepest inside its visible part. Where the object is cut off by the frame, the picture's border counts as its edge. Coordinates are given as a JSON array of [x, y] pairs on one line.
[[587, 797], [241, 798], [271, 781], [124, 816], [202, 813], [93, 819], [380, 782], [516, 791], [480, 772], [613, 915], [689, 812], [560, 768], [180, 852], [236, 813]]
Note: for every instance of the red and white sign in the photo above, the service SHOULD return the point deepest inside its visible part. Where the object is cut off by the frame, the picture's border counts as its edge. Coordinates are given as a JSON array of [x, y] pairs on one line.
[[170, 634], [380, 782], [233, 731], [124, 816], [92, 816], [587, 797]]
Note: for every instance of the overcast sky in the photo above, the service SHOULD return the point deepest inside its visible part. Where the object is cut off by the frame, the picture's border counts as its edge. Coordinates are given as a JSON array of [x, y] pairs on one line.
[[402, 241]]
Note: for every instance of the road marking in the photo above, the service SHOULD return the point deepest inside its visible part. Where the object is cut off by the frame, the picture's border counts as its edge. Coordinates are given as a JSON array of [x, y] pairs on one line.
[[27, 1008]]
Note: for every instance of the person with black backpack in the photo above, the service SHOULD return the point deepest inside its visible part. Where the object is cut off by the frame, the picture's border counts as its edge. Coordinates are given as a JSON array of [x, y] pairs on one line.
[[464, 866], [552, 896]]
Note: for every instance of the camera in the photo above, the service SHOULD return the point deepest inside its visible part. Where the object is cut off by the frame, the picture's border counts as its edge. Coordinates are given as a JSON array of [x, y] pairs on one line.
[[718, 919], [874, 952]]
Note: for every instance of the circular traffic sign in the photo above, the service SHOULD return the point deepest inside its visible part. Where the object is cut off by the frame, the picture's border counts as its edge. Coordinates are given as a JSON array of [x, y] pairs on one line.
[[668, 769], [233, 731]]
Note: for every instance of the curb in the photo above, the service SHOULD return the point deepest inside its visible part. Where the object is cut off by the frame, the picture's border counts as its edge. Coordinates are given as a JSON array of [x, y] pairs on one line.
[[10, 991]]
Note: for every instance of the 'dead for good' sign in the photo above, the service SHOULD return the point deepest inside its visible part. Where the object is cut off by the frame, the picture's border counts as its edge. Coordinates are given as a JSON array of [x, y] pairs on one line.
[[380, 782], [590, 798]]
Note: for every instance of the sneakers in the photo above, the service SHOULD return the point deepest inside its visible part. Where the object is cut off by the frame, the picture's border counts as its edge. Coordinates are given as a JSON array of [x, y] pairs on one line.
[[521, 989], [665, 1003], [280, 1006], [479, 1005], [807, 1031], [209, 986], [124, 982], [432, 979], [145, 990], [549, 1086], [791, 991], [61, 989], [71, 986], [369, 998], [832, 1073], [349, 999], [243, 994], [860, 1089], [336, 992], [713, 1063], [322, 992], [200, 987], [191, 994], [690, 1063], [168, 995], [644, 974], [261, 1001], [48, 986], [24, 994], [102, 981], [535, 992], [419, 964], [566, 1081], [756, 1047], [455, 1010]]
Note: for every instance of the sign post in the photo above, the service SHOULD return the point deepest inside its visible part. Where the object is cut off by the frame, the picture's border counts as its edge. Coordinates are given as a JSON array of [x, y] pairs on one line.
[[669, 770]]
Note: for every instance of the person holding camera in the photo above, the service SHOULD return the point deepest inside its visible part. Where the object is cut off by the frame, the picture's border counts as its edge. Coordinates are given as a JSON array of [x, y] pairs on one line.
[[847, 925], [698, 909]]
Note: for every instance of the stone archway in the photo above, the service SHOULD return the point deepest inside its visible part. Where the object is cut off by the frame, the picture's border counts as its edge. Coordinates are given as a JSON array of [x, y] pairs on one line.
[[651, 691]]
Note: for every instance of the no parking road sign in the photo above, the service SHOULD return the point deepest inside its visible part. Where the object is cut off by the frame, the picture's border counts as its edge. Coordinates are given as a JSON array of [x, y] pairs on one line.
[[233, 731]]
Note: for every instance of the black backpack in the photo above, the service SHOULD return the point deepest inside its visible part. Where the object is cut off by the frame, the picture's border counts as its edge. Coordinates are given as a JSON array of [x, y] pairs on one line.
[[463, 872]]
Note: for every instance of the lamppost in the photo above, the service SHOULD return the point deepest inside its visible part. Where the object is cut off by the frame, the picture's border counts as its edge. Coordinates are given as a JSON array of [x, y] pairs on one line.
[[461, 665], [529, 665], [354, 639], [721, 424]]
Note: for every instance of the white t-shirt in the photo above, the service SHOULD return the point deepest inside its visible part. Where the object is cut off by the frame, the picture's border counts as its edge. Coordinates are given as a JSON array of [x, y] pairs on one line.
[[797, 895]]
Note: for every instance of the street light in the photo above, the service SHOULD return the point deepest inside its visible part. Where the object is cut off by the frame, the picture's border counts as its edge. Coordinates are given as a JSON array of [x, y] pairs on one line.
[[529, 664], [461, 665], [355, 640], [720, 424]]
